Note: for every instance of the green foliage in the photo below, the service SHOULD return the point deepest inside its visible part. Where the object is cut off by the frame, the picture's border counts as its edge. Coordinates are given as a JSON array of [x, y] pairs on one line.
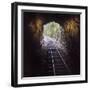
[[52, 30]]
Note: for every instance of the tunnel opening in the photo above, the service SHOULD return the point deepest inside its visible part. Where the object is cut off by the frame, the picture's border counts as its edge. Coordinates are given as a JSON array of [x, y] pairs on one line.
[[51, 33], [53, 36]]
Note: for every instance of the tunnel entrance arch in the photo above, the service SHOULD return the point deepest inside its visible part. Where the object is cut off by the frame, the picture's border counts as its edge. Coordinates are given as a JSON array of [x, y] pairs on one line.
[[52, 35]]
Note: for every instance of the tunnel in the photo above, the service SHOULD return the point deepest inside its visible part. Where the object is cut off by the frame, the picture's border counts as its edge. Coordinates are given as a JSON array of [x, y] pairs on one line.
[[51, 44]]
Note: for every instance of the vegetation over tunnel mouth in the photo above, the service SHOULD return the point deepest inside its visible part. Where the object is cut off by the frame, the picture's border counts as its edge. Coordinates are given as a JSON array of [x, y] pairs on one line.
[[52, 29]]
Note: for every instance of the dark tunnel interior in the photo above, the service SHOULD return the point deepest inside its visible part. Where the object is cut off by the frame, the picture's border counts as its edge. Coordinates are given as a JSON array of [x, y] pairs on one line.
[[37, 61]]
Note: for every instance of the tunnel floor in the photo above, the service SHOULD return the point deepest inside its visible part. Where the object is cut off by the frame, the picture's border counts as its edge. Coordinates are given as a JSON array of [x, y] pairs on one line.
[[56, 62]]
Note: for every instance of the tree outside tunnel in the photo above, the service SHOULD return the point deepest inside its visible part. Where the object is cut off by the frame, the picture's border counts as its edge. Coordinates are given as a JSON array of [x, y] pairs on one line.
[[52, 29]]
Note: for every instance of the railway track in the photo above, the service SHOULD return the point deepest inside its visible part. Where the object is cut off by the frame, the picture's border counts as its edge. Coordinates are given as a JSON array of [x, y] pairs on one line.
[[56, 63]]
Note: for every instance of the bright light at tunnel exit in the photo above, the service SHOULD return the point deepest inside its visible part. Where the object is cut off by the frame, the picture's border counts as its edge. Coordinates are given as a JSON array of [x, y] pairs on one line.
[[52, 35]]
